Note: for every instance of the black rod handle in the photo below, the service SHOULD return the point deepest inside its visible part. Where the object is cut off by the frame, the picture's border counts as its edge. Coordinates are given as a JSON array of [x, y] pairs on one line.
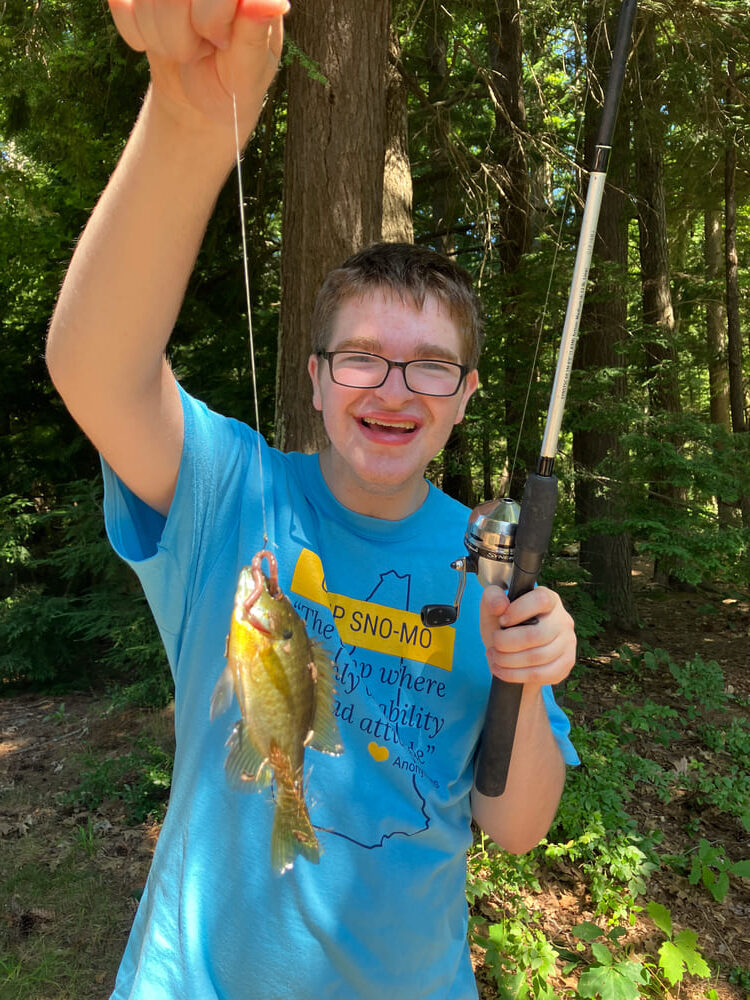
[[532, 540]]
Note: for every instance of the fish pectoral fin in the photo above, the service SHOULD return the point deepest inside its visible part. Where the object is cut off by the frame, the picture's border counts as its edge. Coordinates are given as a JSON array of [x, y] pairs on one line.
[[325, 735], [246, 768], [292, 832], [222, 695]]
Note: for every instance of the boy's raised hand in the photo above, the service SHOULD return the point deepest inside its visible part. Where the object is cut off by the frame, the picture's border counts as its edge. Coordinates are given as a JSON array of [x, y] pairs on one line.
[[202, 51]]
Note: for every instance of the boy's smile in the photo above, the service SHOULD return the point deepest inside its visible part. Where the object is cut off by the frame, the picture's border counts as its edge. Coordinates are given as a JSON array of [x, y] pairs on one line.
[[382, 438]]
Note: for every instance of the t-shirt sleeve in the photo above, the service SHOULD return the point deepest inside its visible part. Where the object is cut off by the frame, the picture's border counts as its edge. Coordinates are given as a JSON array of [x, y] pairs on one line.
[[167, 553], [560, 725]]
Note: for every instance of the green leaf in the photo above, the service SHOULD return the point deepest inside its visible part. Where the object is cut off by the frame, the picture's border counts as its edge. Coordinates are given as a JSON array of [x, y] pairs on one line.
[[602, 953], [681, 954], [695, 872], [741, 868], [586, 931], [661, 917], [514, 987], [610, 983], [686, 942], [721, 888], [671, 962]]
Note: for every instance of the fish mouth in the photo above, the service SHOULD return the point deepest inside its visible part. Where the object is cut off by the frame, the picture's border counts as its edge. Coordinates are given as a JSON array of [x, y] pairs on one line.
[[258, 625]]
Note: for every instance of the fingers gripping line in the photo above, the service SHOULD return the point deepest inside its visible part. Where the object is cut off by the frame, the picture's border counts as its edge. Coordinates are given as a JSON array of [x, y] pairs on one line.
[[184, 30]]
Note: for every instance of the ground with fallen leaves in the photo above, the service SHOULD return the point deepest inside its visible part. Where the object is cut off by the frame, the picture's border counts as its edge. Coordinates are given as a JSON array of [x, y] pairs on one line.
[[718, 628], [70, 877]]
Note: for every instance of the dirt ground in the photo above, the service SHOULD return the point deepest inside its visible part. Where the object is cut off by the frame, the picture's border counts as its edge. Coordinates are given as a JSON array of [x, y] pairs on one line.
[[91, 865]]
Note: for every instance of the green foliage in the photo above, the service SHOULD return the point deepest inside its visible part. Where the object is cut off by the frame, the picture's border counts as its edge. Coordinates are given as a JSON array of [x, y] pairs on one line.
[[140, 779], [570, 580], [700, 683], [293, 53], [733, 739], [727, 793], [629, 720], [678, 954], [490, 870], [77, 613], [703, 461], [521, 960], [594, 827], [613, 974], [86, 838], [611, 979], [712, 868], [595, 833], [637, 662], [517, 953], [36, 644]]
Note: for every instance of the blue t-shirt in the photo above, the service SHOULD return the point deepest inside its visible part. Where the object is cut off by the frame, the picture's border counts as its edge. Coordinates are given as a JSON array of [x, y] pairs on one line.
[[384, 912]]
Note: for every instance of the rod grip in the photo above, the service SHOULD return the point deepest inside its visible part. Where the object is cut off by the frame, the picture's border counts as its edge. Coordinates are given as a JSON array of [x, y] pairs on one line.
[[532, 540]]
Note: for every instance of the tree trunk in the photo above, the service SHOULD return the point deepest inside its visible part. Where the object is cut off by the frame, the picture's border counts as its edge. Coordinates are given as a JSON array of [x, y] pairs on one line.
[[734, 338], [606, 556], [333, 179], [456, 479], [658, 314], [442, 195], [512, 238], [397, 185], [718, 375]]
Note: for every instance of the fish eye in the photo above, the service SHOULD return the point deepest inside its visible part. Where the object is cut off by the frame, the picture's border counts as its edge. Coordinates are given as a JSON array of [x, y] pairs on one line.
[[287, 633]]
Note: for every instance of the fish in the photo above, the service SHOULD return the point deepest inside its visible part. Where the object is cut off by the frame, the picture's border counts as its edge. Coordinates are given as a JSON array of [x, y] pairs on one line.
[[283, 683]]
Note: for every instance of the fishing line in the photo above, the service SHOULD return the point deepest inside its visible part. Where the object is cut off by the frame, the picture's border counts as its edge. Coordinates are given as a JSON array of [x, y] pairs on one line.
[[251, 343]]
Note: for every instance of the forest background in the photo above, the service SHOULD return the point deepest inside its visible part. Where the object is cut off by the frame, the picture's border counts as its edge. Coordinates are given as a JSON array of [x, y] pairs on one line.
[[465, 127]]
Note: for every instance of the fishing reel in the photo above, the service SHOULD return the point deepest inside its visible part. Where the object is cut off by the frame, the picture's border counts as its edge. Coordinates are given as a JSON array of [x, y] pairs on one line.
[[490, 544], [506, 543]]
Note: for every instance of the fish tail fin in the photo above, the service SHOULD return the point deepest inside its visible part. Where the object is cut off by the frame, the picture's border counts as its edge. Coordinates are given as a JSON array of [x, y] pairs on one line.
[[293, 832]]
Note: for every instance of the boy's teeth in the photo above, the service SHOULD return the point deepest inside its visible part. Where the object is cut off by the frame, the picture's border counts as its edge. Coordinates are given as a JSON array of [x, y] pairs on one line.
[[399, 426]]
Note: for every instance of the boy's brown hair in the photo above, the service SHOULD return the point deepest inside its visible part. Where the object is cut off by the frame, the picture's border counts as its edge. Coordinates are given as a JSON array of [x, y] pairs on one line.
[[412, 273]]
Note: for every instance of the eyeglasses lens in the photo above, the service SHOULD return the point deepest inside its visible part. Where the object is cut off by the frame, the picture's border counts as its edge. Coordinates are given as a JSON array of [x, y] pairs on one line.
[[364, 371]]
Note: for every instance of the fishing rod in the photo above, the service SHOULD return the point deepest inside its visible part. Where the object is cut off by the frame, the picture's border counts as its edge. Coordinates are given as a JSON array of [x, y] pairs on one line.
[[506, 543]]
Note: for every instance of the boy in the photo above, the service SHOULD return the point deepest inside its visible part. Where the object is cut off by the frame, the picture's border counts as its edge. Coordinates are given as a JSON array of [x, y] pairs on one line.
[[362, 542]]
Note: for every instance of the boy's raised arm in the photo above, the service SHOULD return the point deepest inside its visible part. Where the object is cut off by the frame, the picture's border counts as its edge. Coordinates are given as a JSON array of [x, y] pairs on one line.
[[126, 281]]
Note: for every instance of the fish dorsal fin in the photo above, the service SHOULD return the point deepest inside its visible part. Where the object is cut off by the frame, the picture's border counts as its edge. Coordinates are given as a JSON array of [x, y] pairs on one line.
[[325, 732]]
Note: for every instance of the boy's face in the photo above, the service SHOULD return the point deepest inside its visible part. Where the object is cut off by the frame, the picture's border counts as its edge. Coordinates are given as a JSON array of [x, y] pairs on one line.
[[382, 439]]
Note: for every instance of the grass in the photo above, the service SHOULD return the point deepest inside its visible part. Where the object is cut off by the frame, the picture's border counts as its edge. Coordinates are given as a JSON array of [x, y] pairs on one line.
[[63, 926], [76, 846]]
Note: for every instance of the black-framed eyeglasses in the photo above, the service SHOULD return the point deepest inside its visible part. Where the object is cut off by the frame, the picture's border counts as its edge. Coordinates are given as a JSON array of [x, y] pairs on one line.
[[428, 376]]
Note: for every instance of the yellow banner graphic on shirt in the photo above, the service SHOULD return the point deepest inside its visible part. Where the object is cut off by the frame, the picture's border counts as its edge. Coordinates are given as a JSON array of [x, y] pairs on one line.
[[374, 626]]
